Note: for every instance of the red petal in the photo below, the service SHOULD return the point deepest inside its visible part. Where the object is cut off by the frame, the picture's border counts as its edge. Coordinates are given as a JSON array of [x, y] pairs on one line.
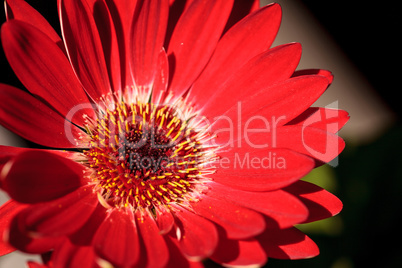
[[331, 120], [265, 169], [164, 219], [287, 244], [176, 257], [319, 144], [39, 176], [107, 33], [32, 264], [44, 69], [194, 39], [7, 212], [147, 39], [260, 72], [238, 253], [320, 203], [21, 10], [84, 236], [123, 14], [8, 152], [153, 242], [284, 209], [84, 46], [277, 104], [72, 256], [237, 47], [33, 120], [241, 8], [61, 216], [238, 222], [161, 79], [117, 240], [198, 237], [21, 238], [321, 72], [313, 142]]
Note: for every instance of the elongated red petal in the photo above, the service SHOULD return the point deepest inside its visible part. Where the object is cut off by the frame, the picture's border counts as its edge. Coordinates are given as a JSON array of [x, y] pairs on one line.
[[161, 79], [263, 70], [238, 222], [194, 39], [198, 237], [8, 152], [21, 10], [319, 144], [237, 47], [39, 176], [287, 244], [61, 216], [7, 211], [21, 238], [284, 209], [239, 253], [153, 242], [117, 238], [321, 72], [277, 104], [84, 47], [44, 69], [33, 120], [241, 8], [110, 43], [331, 120], [320, 203], [124, 13], [176, 257], [254, 169], [84, 236], [68, 255], [148, 35], [164, 219]]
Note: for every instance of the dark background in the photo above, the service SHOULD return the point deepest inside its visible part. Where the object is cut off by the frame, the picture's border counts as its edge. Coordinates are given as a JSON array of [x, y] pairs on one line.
[[369, 179]]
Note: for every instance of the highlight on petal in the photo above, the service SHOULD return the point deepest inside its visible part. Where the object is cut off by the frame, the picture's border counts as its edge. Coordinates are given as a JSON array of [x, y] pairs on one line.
[[39, 176], [148, 34], [106, 27], [152, 243], [84, 47], [164, 220], [117, 238], [198, 237]]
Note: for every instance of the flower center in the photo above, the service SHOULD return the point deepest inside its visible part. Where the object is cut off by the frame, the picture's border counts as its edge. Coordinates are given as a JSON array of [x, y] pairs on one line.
[[146, 155]]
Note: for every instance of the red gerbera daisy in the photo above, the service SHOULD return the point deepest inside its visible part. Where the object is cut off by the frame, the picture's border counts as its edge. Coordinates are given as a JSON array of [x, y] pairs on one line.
[[174, 133]]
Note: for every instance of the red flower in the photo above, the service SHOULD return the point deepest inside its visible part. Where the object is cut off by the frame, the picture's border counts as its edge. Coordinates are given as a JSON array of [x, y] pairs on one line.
[[173, 134]]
